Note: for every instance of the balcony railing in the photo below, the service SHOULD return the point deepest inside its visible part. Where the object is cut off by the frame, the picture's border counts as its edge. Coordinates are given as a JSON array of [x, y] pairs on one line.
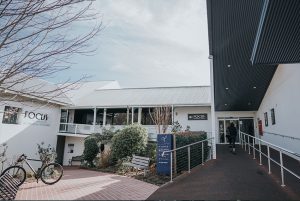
[[87, 129]]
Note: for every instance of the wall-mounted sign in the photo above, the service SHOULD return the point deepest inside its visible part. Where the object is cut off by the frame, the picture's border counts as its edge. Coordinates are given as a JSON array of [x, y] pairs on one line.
[[37, 116], [197, 116]]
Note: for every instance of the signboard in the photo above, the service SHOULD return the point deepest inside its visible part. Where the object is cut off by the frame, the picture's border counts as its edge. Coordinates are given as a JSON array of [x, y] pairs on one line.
[[36, 118], [260, 128], [197, 116], [164, 143]]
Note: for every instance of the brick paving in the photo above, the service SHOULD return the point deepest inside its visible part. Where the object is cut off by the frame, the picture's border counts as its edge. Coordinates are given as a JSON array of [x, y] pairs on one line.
[[78, 184], [229, 177]]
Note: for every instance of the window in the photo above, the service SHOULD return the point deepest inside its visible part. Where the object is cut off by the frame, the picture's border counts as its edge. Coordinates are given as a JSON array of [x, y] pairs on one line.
[[147, 115], [266, 119], [116, 116], [273, 116], [70, 148], [11, 115]]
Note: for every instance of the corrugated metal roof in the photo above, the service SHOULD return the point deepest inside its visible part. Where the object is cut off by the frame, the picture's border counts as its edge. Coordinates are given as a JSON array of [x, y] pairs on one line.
[[35, 88], [238, 85], [84, 88], [278, 37], [195, 95]]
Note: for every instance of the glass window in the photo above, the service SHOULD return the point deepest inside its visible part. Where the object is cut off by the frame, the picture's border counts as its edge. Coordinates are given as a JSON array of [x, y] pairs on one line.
[[11, 115], [116, 116], [146, 116], [273, 116], [266, 119]]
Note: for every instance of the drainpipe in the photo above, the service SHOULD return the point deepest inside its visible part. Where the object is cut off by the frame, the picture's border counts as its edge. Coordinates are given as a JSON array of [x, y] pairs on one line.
[[212, 107]]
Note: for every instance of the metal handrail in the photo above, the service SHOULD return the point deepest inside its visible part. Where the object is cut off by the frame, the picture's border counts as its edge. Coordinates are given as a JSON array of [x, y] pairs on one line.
[[287, 136], [244, 143], [273, 145], [168, 151], [189, 155]]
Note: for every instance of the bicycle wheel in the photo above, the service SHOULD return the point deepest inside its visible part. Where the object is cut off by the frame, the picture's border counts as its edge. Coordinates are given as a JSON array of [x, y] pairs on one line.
[[17, 172], [52, 173]]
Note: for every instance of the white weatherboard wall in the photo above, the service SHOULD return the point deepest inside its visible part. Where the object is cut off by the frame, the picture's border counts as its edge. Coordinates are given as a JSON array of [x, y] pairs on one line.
[[283, 95], [78, 148], [24, 136], [181, 115]]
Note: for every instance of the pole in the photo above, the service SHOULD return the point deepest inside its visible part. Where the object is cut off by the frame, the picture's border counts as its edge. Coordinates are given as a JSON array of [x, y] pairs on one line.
[[259, 144], [189, 158], [171, 169], [269, 159], [281, 169]]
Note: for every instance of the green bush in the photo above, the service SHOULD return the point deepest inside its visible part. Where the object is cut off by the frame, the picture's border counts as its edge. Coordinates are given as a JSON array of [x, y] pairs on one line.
[[91, 150], [150, 151], [130, 140]]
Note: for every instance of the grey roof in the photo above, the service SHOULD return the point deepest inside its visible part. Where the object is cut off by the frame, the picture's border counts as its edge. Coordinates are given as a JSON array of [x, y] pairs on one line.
[[192, 95], [35, 88], [82, 89], [232, 26]]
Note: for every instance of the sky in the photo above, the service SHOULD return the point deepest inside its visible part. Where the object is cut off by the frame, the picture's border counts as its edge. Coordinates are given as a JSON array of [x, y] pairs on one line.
[[147, 43]]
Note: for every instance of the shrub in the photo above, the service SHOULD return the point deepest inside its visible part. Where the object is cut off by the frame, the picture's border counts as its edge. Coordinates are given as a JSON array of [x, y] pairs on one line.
[[128, 141], [150, 151], [105, 137], [91, 150]]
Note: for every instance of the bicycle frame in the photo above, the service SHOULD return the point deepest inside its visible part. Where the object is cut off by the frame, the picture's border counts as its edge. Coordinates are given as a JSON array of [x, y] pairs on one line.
[[36, 173]]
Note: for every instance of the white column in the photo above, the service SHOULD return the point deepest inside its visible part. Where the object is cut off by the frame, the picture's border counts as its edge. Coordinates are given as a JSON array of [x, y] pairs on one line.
[[212, 107], [132, 114], [139, 115], [172, 114], [94, 120], [127, 115], [104, 117]]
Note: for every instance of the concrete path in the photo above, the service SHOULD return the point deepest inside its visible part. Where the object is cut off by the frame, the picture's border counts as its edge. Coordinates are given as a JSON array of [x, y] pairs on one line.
[[230, 177], [78, 184]]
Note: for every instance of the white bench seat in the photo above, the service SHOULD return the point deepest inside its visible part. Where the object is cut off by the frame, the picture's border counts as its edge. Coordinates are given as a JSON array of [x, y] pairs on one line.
[[139, 162]]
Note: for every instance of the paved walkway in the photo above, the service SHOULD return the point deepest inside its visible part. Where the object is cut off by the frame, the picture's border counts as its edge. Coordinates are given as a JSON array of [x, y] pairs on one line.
[[230, 177], [78, 184]]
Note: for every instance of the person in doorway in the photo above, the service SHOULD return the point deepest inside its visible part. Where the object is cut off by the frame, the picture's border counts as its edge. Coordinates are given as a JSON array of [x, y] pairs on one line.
[[233, 133]]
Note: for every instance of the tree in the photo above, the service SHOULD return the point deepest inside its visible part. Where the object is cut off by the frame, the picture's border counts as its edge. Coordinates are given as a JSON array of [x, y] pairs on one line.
[[161, 116], [37, 40]]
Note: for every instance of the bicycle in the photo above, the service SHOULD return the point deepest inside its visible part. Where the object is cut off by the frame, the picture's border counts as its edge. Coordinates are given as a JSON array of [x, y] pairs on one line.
[[50, 173]]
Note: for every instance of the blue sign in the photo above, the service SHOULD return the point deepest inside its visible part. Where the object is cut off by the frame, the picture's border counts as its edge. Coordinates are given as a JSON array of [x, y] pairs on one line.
[[163, 162]]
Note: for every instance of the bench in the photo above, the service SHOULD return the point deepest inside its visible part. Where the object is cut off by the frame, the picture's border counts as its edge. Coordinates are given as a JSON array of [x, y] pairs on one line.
[[8, 187], [139, 162], [76, 159]]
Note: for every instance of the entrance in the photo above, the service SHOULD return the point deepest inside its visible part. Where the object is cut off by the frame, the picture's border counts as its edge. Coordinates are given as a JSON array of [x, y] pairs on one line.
[[223, 130], [242, 124]]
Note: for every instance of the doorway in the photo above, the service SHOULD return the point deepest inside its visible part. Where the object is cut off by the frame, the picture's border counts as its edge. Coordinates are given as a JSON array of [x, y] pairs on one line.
[[223, 130]]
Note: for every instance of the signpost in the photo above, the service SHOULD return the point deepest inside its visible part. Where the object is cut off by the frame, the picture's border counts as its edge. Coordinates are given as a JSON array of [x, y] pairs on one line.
[[164, 143]]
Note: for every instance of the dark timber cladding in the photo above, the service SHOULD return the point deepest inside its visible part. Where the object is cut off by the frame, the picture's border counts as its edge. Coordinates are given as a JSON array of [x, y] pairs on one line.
[[232, 25], [278, 36]]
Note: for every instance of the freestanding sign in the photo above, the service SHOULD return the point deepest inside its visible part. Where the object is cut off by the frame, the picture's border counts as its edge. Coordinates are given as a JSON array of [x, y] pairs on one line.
[[164, 143]]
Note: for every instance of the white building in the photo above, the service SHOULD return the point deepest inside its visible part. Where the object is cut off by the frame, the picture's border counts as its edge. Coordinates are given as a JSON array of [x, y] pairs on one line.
[[255, 79]]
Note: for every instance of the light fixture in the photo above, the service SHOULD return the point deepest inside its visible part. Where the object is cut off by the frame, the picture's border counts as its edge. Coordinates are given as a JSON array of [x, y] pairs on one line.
[[249, 103], [254, 87], [225, 104], [228, 65], [226, 88]]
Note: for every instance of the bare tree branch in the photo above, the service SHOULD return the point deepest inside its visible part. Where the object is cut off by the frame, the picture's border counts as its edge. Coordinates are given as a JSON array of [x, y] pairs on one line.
[[37, 40]]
